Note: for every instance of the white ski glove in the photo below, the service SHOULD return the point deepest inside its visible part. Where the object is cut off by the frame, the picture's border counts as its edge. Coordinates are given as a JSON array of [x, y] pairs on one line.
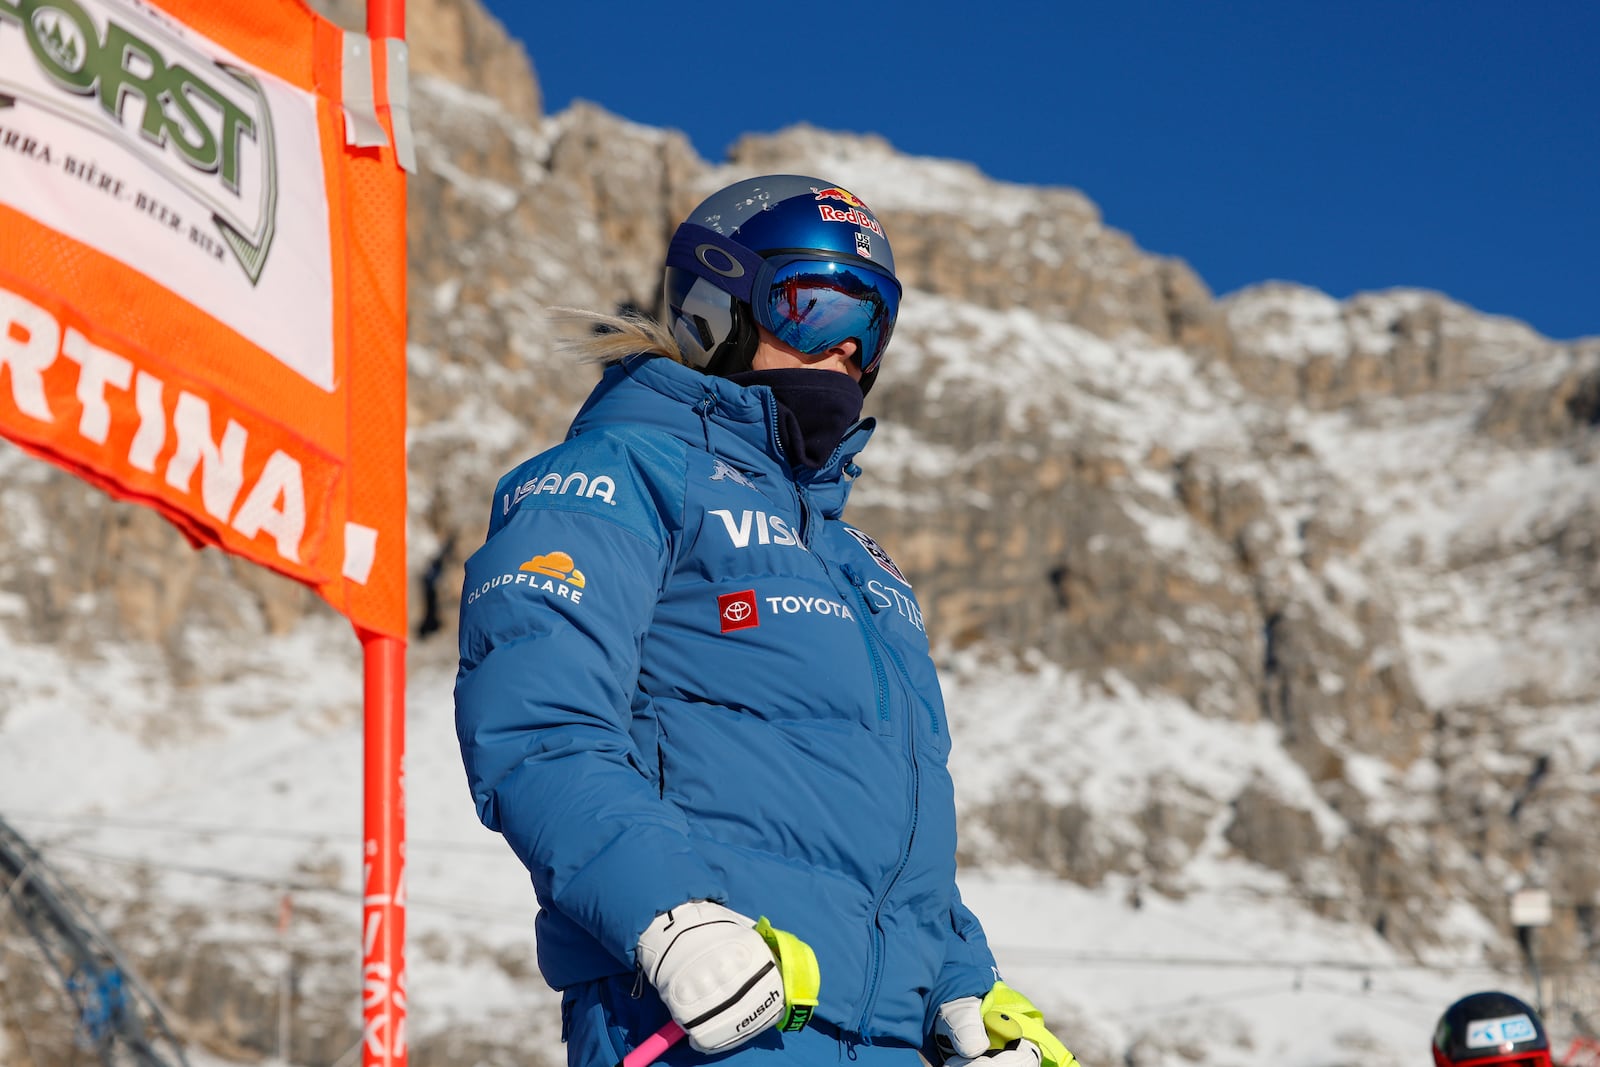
[[715, 974], [960, 1037], [1003, 1029]]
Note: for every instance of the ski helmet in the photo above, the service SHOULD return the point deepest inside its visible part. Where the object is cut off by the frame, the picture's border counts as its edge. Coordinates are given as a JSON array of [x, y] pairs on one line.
[[1490, 1028], [802, 257]]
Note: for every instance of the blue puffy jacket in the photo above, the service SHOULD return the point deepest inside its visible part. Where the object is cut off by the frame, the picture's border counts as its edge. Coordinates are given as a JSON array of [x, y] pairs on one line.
[[683, 676]]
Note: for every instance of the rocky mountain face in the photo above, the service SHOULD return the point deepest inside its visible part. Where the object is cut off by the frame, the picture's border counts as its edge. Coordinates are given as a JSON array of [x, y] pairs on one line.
[[1373, 525]]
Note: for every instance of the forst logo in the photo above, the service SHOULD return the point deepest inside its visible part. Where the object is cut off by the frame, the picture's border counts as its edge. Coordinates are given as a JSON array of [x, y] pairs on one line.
[[203, 125], [59, 38]]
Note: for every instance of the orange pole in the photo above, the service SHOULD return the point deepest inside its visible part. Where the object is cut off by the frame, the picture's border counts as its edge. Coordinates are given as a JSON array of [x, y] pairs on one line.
[[386, 18], [383, 906]]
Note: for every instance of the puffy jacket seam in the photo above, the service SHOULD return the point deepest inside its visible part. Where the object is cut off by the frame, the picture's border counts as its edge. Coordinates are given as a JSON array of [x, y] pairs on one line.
[[849, 880], [579, 509]]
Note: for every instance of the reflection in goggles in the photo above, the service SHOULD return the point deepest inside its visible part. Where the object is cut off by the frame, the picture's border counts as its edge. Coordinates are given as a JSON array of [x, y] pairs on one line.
[[812, 305]]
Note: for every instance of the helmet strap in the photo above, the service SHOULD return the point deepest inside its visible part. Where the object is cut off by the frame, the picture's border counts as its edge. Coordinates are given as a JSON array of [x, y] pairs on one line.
[[736, 353]]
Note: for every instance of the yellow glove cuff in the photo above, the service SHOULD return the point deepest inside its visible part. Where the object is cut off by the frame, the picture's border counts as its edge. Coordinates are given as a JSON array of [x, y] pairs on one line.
[[802, 979], [1008, 1016]]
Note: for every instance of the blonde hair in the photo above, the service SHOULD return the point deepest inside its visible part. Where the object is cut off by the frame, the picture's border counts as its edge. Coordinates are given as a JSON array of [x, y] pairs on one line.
[[610, 339]]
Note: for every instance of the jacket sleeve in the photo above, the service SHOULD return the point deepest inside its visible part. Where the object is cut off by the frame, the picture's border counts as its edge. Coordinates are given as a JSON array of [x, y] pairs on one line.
[[969, 969], [554, 610]]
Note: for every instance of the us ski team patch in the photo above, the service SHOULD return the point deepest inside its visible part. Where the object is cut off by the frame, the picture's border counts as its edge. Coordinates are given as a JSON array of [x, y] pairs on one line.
[[876, 551]]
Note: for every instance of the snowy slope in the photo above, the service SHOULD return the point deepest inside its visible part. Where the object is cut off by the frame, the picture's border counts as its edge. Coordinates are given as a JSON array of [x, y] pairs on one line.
[[254, 787]]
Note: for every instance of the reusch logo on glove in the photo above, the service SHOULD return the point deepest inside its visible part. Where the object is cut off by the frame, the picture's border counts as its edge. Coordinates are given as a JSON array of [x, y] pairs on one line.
[[761, 1009], [738, 610]]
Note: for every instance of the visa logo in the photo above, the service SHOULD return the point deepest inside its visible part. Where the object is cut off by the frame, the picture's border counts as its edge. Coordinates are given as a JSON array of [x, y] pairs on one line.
[[766, 529]]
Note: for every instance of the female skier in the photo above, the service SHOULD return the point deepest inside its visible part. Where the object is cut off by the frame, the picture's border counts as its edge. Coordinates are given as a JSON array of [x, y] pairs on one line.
[[691, 695]]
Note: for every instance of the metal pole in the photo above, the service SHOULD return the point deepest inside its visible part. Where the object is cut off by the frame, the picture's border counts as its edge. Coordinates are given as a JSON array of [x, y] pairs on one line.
[[386, 18], [383, 983], [1525, 939], [286, 978], [1530, 909], [383, 974]]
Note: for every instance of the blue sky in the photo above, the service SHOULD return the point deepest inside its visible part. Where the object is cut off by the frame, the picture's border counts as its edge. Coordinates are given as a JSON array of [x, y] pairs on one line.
[[1347, 145]]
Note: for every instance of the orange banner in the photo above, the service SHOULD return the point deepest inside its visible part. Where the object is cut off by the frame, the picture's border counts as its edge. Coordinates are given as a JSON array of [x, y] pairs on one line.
[[202, 277]]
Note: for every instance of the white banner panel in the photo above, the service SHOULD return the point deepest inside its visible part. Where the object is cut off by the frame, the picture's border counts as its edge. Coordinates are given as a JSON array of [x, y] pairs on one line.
[[125, 130]]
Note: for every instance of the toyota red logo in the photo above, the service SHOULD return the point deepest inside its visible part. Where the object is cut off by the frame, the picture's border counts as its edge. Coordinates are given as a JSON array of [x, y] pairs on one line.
[[738, 610]]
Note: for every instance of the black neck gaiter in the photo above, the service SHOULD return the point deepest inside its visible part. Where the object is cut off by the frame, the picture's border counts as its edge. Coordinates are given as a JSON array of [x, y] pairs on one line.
[[815, 408]]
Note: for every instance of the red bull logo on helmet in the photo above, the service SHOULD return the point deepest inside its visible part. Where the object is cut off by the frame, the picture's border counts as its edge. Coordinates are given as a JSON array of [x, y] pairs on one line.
[[833, 192], [858, 214], [855, 217]]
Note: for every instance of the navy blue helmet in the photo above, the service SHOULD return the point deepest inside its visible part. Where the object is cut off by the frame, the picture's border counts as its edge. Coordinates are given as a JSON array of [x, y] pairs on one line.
[[802, 257]]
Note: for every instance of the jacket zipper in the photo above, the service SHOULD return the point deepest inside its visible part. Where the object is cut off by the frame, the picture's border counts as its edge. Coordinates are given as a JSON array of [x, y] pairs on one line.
[[874, 638], [800, 496], [900, 665], [880, 675], [704, 408]]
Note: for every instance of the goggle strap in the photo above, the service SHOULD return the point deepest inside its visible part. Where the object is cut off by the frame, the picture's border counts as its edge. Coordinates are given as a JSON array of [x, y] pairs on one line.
[[726, 264]]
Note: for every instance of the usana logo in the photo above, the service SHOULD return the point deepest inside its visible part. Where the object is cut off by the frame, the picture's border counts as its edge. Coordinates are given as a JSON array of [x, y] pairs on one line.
[[204, 125], [577, 484]]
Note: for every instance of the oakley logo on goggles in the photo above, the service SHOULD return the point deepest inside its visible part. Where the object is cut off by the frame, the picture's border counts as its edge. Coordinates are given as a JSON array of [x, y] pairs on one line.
[[812, 304]]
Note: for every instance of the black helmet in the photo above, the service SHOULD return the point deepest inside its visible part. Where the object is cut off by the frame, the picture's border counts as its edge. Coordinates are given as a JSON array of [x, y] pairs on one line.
[[1490, 1028], [802, 257]]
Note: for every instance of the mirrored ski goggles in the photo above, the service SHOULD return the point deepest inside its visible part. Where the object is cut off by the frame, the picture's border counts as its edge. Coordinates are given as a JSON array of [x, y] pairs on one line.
[[812, 304]]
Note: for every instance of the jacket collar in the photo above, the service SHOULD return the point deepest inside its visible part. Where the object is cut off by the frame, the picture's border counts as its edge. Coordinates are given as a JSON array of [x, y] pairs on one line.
[[738, 424]]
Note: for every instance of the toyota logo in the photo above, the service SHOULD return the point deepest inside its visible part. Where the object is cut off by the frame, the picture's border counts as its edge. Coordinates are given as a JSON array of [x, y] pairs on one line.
[[738, 611]]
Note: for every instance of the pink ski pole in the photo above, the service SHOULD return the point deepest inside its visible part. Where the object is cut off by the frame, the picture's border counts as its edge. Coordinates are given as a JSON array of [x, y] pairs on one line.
[[653, 1046], [801, 983]]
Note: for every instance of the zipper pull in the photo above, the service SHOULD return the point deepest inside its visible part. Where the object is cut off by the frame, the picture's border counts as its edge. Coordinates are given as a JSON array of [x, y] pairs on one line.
[[807, 526], [854, 575], [708, 401]]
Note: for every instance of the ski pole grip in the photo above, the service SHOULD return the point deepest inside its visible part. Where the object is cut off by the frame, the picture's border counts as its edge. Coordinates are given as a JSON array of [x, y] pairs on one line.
[[802, 981], [653, 1046]]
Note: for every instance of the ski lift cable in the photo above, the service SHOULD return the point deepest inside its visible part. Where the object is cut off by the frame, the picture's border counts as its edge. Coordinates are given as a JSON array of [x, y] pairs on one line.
[[1016, 956], [464, 908], [47, 898], [497, 848], [1145, 1012], [1036, 957], [494, 847]]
